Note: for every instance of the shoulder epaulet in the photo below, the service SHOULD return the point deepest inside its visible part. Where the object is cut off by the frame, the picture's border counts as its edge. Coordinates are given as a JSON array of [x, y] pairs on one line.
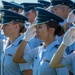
[[20, 41], [72, 51], [57, 45]]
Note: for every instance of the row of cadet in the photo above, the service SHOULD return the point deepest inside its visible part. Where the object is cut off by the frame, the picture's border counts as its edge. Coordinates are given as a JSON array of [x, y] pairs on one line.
[[33, 33]]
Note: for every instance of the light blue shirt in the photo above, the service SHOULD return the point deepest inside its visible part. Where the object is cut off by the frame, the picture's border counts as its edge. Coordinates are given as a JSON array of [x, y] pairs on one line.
[[40, 57], [35, 42], [1, 48], [8, 66], [69, 62]]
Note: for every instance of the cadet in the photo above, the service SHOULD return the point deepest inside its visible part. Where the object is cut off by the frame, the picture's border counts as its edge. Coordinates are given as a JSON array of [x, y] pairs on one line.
[[30, 13], [29, 10], [64, 7], [12, 27], [47, 27], [68, 61], [15, 7]]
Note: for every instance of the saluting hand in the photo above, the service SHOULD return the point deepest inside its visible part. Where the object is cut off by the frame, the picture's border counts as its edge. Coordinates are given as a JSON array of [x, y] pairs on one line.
[[71, 17], [30, 33], [69, 37]]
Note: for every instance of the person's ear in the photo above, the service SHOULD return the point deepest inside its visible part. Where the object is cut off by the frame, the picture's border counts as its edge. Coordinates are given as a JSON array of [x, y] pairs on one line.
[[52, 30], [16, 26]]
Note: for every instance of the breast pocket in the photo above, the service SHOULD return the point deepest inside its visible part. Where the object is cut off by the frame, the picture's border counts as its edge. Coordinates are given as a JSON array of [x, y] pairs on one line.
[[45, 63], [45, 68]]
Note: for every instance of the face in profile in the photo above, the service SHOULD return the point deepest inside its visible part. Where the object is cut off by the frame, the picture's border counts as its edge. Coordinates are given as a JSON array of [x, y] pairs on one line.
[[31, 16], [56, 10], [42, 31], [8, 29]]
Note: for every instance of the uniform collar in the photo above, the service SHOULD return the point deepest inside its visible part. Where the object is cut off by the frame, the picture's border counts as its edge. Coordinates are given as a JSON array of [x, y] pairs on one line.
[[18, 40], [52, 45]]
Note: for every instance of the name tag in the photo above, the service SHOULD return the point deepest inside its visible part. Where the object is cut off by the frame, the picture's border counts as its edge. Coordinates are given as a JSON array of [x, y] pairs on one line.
[[9, 54]]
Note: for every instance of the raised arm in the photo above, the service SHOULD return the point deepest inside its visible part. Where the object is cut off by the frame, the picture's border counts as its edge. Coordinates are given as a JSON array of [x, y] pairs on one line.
[[68, 39], [18, 57], [28, 35]]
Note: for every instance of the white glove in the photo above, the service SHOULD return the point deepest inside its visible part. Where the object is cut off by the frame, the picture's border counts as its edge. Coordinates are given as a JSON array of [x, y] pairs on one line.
[[69, 37], [30, 33], [71, 17]]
